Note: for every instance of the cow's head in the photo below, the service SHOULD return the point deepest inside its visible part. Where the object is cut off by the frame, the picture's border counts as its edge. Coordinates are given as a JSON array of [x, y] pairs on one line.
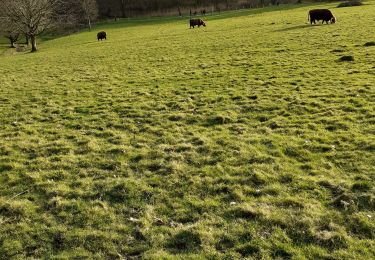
[[204, 24], [333, 20]]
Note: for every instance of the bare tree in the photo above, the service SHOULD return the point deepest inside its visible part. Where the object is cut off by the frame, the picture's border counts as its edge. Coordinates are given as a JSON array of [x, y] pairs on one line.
[[66, 13], [6, 28], [90, 10], [70, 14], [9, 32], [12, 36], [30, 17]]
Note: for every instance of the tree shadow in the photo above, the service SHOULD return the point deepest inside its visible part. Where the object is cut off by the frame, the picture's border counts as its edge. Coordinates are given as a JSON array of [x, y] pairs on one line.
[[294, 28]]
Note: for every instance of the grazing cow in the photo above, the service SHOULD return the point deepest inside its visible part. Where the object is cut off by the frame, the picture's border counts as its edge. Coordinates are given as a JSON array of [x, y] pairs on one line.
[[197, 22], [324, 15], [102, 35]]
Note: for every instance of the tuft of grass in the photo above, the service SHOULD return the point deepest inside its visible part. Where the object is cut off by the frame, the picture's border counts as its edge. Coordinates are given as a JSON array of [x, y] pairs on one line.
[[185, 240]]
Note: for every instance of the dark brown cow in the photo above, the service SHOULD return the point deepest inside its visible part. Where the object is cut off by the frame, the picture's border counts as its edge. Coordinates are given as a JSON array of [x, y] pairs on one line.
[[324, 15], [197, 22], [102, 35]]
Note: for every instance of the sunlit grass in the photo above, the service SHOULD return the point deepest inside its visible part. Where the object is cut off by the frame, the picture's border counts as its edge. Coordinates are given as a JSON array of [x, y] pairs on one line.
[[247, 138]]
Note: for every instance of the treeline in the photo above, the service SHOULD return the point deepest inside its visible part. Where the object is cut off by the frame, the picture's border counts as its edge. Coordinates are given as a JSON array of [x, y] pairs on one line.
[[133, 8]]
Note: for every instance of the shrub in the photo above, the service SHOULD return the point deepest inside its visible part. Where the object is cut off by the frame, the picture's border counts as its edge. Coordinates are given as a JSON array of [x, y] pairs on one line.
[[350, 3]]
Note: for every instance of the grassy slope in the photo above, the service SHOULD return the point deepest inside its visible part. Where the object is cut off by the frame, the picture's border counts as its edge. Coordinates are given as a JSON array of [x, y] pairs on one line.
[[242, 139]]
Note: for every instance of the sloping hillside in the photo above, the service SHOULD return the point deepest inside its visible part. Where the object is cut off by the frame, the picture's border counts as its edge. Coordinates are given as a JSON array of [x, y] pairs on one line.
[[246, 138]]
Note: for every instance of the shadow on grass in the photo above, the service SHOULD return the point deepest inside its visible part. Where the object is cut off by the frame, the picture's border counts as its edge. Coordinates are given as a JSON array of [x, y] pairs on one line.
[[302, 26]]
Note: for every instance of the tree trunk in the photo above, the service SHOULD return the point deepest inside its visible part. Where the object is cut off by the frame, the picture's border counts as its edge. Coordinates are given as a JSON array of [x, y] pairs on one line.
[[179, 8], [179, 11], [123, 9], [89, 22], [87, 10], [12, 41], [27, 40], [33, 43]]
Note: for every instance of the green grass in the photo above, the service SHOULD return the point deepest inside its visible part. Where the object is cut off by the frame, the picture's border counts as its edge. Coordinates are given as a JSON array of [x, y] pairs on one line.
[[247, 138]]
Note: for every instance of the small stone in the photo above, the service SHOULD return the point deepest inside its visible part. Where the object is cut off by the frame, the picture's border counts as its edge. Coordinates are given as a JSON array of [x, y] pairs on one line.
[[133, 219]]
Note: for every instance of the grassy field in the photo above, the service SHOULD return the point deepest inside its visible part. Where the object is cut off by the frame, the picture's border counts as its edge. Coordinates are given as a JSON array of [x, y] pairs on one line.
[[245, 139]]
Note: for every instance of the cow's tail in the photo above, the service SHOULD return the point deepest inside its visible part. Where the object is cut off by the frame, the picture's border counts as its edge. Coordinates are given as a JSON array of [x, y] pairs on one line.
[[308, 16]]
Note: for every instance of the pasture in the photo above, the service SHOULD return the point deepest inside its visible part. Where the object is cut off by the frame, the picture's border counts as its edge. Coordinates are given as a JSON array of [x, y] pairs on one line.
[[248, 138]]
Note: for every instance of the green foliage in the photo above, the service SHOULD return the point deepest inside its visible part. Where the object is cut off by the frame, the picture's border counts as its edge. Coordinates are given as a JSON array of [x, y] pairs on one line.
[[243, 139]]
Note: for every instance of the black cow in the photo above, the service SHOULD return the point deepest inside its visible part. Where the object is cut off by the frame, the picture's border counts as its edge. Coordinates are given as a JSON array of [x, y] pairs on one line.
[[197, 22], [324, 15], [102, 35]]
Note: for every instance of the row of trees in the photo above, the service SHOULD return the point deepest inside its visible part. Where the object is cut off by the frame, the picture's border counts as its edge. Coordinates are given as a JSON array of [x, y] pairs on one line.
[[131, 8], [30, 18]]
